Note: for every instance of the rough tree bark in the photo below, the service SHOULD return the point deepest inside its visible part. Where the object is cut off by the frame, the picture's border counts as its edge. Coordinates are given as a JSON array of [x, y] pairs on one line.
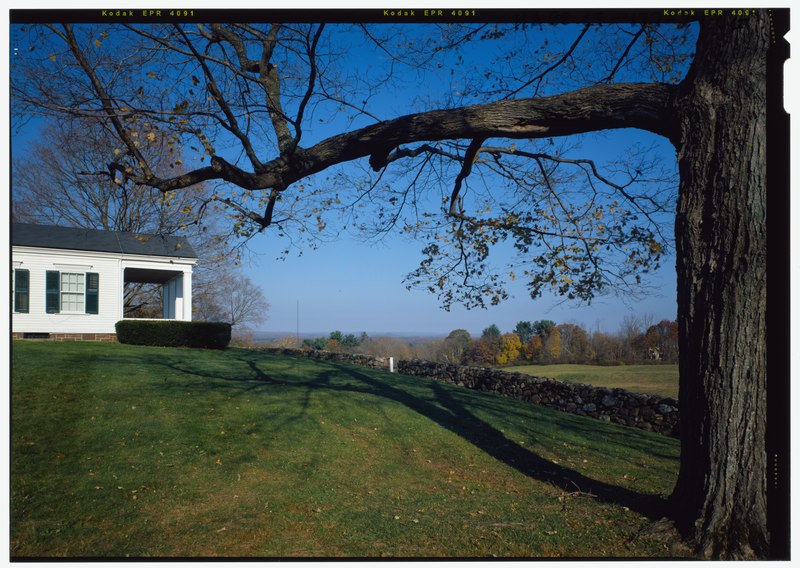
[[720, 496]]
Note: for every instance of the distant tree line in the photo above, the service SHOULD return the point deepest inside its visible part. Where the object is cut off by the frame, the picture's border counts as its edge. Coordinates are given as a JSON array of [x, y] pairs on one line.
[[545, 342], [336, 341], [530, 342]]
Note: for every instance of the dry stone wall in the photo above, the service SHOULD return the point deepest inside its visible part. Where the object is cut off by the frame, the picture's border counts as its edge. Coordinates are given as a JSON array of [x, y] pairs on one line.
[[619, 406], [360, 360]]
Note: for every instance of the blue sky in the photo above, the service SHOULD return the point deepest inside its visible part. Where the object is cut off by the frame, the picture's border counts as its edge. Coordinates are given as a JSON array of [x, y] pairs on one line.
[[355, 286]]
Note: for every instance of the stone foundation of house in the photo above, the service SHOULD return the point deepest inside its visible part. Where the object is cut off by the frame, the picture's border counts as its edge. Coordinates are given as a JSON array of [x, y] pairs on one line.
[[96, 337]]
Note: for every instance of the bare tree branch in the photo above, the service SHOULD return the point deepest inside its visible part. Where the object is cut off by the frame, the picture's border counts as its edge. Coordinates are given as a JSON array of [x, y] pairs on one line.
[[469, 158], [312, 80], [232, 124], [624, 54], [538, 78]]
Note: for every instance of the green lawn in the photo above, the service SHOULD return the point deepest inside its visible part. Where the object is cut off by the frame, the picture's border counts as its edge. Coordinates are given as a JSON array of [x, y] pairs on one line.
[[129, 451], [661, 380]]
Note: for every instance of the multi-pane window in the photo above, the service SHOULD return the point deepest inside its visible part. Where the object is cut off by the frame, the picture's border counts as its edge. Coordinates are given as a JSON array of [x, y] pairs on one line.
[[72, 292]]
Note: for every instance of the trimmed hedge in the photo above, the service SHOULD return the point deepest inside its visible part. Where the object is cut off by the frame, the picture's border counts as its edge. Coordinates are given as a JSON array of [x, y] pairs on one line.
[[206, 334]]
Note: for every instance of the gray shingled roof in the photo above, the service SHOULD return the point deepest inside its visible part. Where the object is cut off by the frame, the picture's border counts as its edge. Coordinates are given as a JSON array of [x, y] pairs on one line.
[[44, 236]]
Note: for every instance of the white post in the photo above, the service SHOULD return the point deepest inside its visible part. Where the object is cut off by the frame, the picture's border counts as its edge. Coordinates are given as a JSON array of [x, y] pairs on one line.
[[168, 299], [177, 285], [187, 296], [391, 364]]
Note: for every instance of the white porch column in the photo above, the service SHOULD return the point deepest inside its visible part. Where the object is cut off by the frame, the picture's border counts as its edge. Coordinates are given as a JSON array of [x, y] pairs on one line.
[[177, 295], [169, 299], [177, 284], [187, 296]]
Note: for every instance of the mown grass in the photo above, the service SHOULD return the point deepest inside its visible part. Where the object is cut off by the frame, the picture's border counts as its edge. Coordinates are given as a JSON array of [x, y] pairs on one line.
[[129, 451], [661, 380]]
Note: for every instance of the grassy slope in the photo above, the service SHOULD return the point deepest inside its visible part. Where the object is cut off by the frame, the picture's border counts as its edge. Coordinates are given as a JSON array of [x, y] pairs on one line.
[[136, 451], [660, 380]]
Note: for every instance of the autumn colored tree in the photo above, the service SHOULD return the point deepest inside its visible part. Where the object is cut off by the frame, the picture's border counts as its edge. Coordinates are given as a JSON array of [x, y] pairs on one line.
[[482, 352], [551, 345], [532, 350], [510, 349]]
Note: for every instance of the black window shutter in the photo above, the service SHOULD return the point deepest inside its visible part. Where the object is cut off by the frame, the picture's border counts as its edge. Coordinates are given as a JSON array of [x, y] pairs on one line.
[[21, 291], [53, 289], [92, 292]]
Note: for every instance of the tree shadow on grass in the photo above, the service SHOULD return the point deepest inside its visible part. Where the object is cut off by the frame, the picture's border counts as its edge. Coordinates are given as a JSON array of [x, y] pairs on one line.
[[447, 412], [631, 438]]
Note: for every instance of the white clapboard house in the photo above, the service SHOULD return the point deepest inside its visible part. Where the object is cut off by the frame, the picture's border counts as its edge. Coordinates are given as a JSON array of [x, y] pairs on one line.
[[69, 283]]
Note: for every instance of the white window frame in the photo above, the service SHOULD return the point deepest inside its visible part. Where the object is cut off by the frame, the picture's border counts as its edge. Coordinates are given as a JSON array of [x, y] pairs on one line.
[[75, 294]]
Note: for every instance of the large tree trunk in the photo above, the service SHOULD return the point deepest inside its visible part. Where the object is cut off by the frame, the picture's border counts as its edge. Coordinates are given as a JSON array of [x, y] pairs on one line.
[[720, 496]]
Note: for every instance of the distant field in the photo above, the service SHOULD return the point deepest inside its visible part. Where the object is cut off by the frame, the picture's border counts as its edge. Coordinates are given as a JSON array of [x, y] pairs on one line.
[[660, 380]]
